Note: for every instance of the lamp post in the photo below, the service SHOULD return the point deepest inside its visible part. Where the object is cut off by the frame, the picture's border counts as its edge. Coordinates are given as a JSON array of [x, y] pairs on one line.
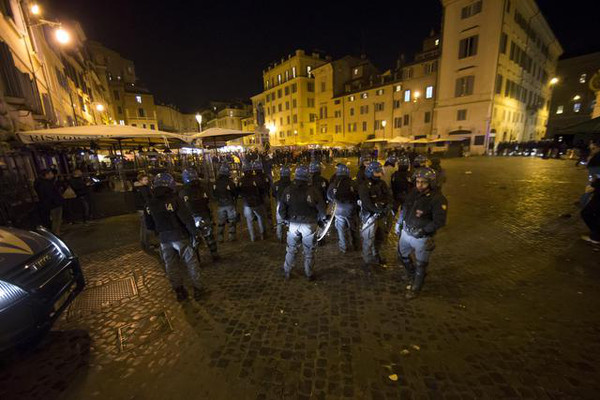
[[199, 120]]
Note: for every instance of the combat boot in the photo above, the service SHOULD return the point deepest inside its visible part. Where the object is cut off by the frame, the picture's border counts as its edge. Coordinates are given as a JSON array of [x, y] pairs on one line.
[[409, 271], [418, 281], [181, 293]]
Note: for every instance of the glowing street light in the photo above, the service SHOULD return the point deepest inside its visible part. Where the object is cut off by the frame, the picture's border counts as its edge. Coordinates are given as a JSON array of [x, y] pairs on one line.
[[199, 118], [62, 36], [383, 123], [35, 9], [554, 81], [99, 107], [417, 94], [577, 97]]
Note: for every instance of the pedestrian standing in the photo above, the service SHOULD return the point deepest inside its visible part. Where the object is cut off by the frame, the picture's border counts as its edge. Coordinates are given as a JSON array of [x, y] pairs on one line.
[[142, 195], [225, 192], [376, 203], [316, 180], [344, 192], [253, 201], [422, 215], [302, 207], [279, 188], [591, 210], [82, 191], [264, 185], [401, 181], [174, 224], [50, 201], [196, 197]]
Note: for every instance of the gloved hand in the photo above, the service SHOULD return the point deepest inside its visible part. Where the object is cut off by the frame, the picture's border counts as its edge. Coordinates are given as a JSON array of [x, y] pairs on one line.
[[429, 244], [398, 229]]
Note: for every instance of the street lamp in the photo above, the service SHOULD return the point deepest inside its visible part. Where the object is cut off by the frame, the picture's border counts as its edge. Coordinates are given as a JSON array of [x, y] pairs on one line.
[[62, 36], [35, 9], [417, 95], [554, 81], [576, 97], [199, 120], [99, 107]]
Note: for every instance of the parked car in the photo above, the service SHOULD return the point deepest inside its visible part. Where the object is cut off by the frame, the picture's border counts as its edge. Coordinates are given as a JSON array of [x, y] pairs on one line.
[[39, 277]]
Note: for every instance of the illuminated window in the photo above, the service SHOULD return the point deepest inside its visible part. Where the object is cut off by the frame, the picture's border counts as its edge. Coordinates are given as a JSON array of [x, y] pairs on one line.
[[364, 95], [407, 95], [429, 92], [398, 88], [355, 71], [138, 99], [351, 98], [121, 122], [293, 72], [278, 79], [582, 78], [308, 70], [559, 109], [287, 75], [379, 92], [437, 42], [576, 107]]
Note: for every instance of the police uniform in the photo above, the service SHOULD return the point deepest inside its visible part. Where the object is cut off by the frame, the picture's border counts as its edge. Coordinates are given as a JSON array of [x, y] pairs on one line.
[[171, 219], [279, 188], [422, 214], [225, 193], [401, 185], [254, 205], [344, 192], [196, 197], [375, 201], [302, 207]]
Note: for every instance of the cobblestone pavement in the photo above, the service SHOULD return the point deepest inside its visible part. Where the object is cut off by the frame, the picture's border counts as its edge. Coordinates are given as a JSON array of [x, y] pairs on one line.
[[509, 310]]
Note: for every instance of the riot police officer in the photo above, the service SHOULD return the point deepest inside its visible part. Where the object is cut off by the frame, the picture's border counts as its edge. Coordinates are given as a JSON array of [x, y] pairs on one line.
[[344, 192], [171, 219], [225, 192], [362, 165], [253, 200], [376, 202], [264, 184], [401, 181], [420, 161], [303, 208], [423, 213], [317, 180], [196, 196], [278, 190]]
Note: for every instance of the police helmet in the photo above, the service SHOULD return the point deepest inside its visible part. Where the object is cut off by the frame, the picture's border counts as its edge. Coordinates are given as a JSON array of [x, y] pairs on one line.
[[426, 173], [420, 161], [372, 168], [362, 160], [285, 171], [164, 180], [391, 160], [314, 167], [342, 170], [224, 170], [404, 161], [301, 173], [189, 175]]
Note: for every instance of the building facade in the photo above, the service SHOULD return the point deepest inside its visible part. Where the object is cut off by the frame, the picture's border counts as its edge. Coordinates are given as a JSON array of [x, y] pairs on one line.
[[288, 99], [497, 61], [573, 100]]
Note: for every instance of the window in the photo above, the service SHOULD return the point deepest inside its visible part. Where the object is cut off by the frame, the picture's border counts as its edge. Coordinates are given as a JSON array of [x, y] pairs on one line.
[[355, 71], [427, 117], [576, 107], [141, 112], [323, 86], [407, 95], [279, 93], [121, 122], [468, 47], [379, 92], [116, 94], [309, 70], [397, 88], [338, 129], [364, 126], [396, 103], [351, 98], [294, 87], [582, 78], [324, 129], [352, 111], [134, 125], [266, 84], [437, 42], [471, 9], [323, 112], [311, 102], [151, 126], [312, 117], [503, 42], [397, 122], [294, 103], [287, 105], [406, 119], [379, 106], [377, 125], [279, 79], [287, 76], [119, 109], [310, 86], [295, 118], [464, 86], [279, 108], [429, 92], [286, 90], [364, 95], [365, 109], [293, 72], [338, 101], [479, 140], [288, 120], [138, 99], [461, 115], [498, 84], [337, 114]]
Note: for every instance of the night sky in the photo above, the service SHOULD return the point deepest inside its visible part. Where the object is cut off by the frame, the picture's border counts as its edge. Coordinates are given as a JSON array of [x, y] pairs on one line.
[[188, 53]]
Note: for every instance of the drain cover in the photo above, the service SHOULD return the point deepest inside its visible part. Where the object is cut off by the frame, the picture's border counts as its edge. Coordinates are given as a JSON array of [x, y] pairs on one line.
[[143, 331], [100, 297]]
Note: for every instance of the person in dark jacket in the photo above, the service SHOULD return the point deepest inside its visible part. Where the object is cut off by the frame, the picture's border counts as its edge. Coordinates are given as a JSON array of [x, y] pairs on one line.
[[344, 192], [302, 207], [142, 195], [264, 184], [196, 196], [254, 201], [316, 180], [401, 181], [225, 192], [591, 209], [82, 191], [362, 166], [50, 201], [422, 215], [170, 218], [278, 190], [375, 204]]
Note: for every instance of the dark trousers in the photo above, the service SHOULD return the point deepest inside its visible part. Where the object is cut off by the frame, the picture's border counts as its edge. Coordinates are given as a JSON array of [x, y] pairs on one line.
[[591, 216]]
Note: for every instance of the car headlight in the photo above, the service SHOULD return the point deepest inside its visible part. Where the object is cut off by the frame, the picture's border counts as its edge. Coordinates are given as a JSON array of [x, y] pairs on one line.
[[55, 240], [10, 294]]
